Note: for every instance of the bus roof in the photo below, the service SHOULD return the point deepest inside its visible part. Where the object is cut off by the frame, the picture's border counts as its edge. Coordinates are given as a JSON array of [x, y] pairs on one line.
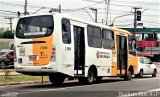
[[82, 21]]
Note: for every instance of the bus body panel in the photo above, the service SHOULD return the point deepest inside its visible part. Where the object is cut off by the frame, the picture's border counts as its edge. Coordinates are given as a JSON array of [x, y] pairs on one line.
[[64, 52], [101, 58], [105, 60]]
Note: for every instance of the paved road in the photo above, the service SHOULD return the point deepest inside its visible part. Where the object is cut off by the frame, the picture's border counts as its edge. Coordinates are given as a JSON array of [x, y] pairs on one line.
[[107, 88]]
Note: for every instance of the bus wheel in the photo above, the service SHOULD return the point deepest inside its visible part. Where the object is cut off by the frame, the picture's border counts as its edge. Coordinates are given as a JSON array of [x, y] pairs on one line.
[[56, 79], [91, 77], [128, 76]]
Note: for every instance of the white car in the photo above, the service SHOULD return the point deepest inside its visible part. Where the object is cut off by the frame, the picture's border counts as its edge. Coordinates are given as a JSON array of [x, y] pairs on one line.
[[145, 67]]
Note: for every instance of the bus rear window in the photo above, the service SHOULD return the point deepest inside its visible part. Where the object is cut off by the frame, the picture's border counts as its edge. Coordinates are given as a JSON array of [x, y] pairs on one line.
[[35, 27]]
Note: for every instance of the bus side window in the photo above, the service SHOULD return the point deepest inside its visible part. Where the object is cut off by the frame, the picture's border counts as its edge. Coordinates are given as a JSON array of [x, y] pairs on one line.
[[108, 39], [94, 36], [66, 32]]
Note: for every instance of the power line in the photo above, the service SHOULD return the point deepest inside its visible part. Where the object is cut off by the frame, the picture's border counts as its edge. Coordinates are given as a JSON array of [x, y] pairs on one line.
[[7, 14], [13, 4], [122, 5], [86, 6], [95, 12], [8, 11], [10, 19], [84, 0], [146, 3], [89, 14], [110, 3], [6, 3]]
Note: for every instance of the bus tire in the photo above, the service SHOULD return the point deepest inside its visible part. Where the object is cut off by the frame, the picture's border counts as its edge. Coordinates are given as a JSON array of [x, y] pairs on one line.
[[56, 79], [91, 77], [128, 76]]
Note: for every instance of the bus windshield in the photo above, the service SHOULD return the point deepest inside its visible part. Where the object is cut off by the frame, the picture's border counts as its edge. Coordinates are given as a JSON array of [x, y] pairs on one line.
[[35, 27]]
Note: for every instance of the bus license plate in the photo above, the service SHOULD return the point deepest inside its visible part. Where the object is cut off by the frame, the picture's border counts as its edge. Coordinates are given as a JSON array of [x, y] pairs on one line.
[[32, 58]]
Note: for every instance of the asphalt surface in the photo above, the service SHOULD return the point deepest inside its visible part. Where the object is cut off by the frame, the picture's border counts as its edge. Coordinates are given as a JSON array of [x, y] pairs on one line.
[[109, 87]]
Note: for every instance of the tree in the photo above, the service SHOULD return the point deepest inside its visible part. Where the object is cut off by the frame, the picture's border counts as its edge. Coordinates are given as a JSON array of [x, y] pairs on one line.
[[2, 29], [151, 37], [6, 33]]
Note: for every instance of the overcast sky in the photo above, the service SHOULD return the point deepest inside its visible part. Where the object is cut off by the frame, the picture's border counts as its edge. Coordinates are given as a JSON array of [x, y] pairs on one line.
[[150, 17]]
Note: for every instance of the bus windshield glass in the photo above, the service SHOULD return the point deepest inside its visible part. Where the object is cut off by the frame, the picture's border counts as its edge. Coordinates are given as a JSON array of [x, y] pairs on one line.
[[35, 27]]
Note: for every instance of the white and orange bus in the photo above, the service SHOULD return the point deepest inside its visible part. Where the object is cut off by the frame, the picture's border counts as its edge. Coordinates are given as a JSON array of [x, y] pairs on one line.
[[62, 47]]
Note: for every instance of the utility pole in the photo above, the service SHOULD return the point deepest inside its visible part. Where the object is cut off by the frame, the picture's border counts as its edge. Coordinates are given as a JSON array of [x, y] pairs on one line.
[[102, 21], [135, 19], [25, 8], [108, 2], [59, 9], [95, 12], [10, 19]]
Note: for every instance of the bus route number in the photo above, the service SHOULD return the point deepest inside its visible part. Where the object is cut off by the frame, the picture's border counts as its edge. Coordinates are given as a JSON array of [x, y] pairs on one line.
[[68, 48]]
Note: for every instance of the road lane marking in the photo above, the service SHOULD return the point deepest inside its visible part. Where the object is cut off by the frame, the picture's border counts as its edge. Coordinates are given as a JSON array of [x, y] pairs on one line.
[[52, 89], [155, 89], [147, 78], [150, 93]]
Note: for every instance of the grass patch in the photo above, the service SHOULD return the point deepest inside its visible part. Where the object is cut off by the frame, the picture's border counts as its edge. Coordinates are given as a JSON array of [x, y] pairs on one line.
[[11, 70], [21, 78]]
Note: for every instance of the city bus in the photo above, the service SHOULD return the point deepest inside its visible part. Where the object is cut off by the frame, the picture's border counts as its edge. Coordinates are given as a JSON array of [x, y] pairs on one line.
[[61, 47]]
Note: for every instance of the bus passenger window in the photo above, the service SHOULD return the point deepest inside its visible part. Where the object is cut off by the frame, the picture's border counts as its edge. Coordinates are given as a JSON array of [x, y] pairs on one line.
[[108, 39], [94, 36], [66, 32]]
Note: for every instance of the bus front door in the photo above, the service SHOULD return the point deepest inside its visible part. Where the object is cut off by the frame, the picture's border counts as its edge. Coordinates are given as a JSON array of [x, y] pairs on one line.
[[121, 55], [79, 50]]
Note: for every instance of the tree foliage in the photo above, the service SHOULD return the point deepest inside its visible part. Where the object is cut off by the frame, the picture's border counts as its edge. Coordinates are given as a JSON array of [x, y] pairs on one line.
[[6, 33], [152, 37]]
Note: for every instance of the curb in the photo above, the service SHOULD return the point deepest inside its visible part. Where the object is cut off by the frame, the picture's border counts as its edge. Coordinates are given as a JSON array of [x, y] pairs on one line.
[[25, 83], [33, 82]]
